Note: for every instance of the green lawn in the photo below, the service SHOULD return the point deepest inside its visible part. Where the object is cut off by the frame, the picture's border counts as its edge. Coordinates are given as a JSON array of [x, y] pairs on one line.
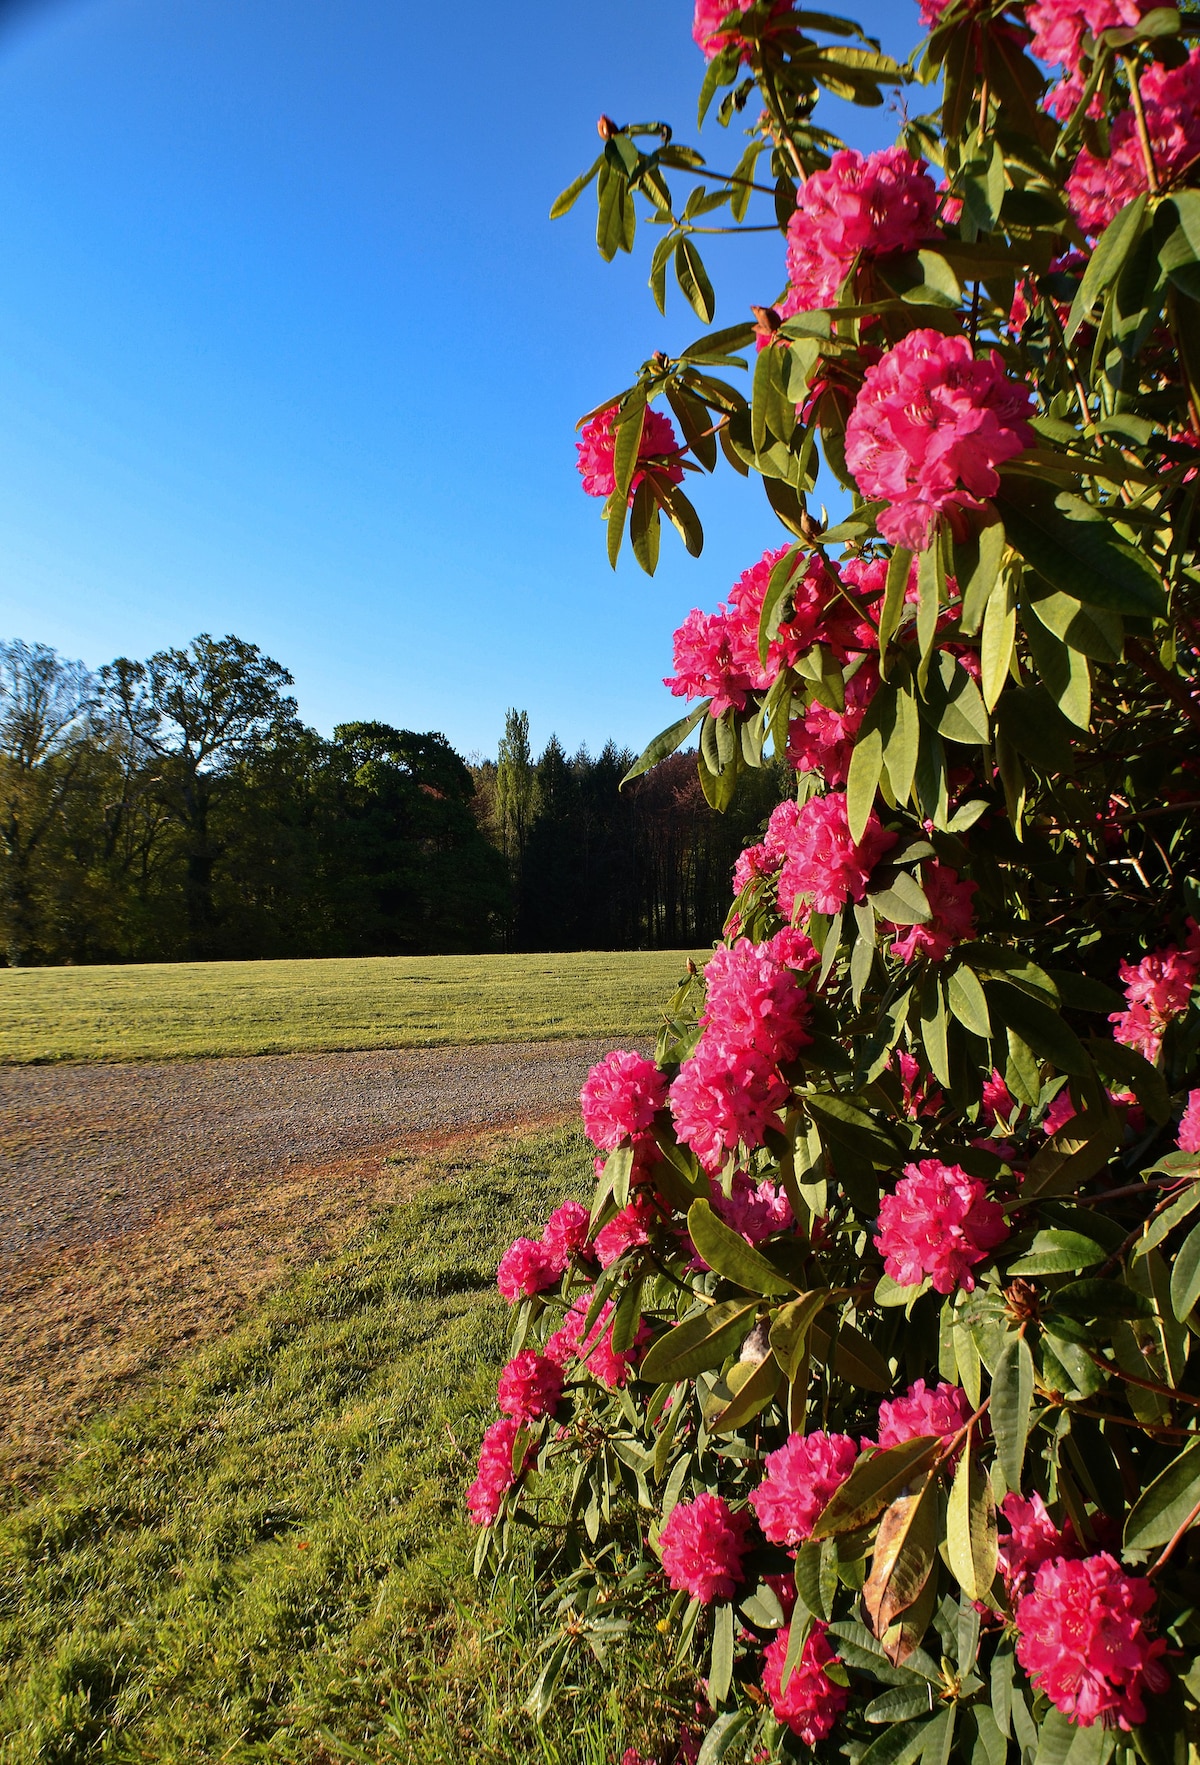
[[158, 1011], [267, 1559]]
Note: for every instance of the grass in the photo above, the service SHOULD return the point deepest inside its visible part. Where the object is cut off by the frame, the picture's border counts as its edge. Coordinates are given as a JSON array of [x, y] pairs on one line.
[[266, 1557], [160, 1011]]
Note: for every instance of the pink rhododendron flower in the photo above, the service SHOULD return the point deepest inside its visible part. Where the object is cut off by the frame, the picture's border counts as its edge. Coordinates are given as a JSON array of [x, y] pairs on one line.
[[702, 1544], [525, 1268], [793, 947], [530, 1386], [873, 207], [1083, 1639], [716, 654], [801, 1477], [659, 448], [621, 1097], [921, 1095], [725, 1096], [496, 1476], [710, 15], [754, 861], [1098, 189], [1159, 989], [566, 1235], [1189, 1126], [1034, 1539], [594, 1351], [998, 1100], [705, 663], [1059, 27], [822, 740], [939, 1223], [811, 1702], [951, 919], [754, 1001], [756, 1210], [631, 1226], [822, 863], [944, 1410], [929, 428]]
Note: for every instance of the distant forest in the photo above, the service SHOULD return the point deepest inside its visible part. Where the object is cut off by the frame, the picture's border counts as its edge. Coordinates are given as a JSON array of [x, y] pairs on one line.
[[178, 809]]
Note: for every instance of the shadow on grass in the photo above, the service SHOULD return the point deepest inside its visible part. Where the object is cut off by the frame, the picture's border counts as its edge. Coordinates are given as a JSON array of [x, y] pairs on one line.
[[267, 1558]]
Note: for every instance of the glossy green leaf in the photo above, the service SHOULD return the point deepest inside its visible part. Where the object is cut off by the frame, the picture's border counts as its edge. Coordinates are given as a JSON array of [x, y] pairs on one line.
[[728, 1253], [1012, 1399], [971, 1536], [1083, 559], [1185, 1276], [873, 1485], [1165, 1504], [698, 1343], [1053, 1253]]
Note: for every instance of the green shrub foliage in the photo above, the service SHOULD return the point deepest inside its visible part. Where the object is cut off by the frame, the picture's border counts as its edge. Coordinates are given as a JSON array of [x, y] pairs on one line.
[[868, 1376]]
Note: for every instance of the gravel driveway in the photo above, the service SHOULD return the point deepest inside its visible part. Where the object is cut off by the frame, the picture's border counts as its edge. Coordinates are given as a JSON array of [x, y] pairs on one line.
[[90, 1152]]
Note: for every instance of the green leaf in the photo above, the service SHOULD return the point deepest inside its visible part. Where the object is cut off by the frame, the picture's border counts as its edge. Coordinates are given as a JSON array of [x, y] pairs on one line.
[[900, 1704], [1012, 1398], [1157, 1230], [645, 528], [1064, 671], [899, 568], [953, 704], [998, 640], [1162, 1508], [873, 1485], [899, 1745], [666, 743], [1112, 250], [724, 1734], [854, 1358], [901, 900], [1101, 1299], [902, 745], [1090, 630], [866, 761], [849, 1124], [720, 1666], [1053, 1253], [751, 1389], [971, 1537], [790, 1327], [977, 563], [567, 200], [967, 1000], [728, 1253], [627, 1317], [1083, 559], [1038, 1025], [692, 277], [698, 1343], [1185, 1276]]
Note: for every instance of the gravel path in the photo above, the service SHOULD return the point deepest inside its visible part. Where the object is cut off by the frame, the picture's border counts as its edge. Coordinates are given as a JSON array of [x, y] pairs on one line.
[[90, 1152]]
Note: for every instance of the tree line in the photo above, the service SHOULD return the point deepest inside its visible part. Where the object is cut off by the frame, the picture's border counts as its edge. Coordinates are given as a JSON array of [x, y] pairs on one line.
[[179, 809]]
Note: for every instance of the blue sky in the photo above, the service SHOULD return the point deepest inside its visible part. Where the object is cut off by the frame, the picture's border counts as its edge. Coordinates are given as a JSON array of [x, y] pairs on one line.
[[289, 348]]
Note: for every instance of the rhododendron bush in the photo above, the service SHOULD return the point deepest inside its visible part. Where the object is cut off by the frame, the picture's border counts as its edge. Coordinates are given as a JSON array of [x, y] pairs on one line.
[[866, 1381]]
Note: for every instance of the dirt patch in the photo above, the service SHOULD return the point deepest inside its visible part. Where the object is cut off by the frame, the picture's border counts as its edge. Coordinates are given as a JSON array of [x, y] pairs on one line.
[[93, 1152], [83, 1327], [143, 1209]]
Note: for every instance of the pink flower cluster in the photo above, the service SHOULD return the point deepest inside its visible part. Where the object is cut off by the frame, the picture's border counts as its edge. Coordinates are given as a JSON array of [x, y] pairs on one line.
[[811, 1702], [710, 15], [594, 1350], [716, 654], [921, 1095], [702, 1544], [939, 1223], [630, 1227], [928, 430], [530, 1386], [1083, 1640], [821, 863], [496, 1475], [1189, 1126], [950, 917], [1059, 28], [530, 1265], [802, 1476], [822, 741], [944, 1410], [873, 207], [1033, 1539], [757, 1210], [620, 1098], [754, 1001], [722, 1096], [1158, 990], [658, 449], [1098, 189]]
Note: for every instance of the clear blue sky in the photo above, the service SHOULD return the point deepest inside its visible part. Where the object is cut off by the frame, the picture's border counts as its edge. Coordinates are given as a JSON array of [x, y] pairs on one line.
[[289, 348]]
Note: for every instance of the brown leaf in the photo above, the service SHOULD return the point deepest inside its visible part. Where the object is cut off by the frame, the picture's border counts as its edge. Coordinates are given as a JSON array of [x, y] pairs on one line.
[[904, 1551]]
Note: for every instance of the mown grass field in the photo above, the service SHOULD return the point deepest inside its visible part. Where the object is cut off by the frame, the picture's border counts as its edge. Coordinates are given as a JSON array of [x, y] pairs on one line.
[[162, 1011], [266, 1557]]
